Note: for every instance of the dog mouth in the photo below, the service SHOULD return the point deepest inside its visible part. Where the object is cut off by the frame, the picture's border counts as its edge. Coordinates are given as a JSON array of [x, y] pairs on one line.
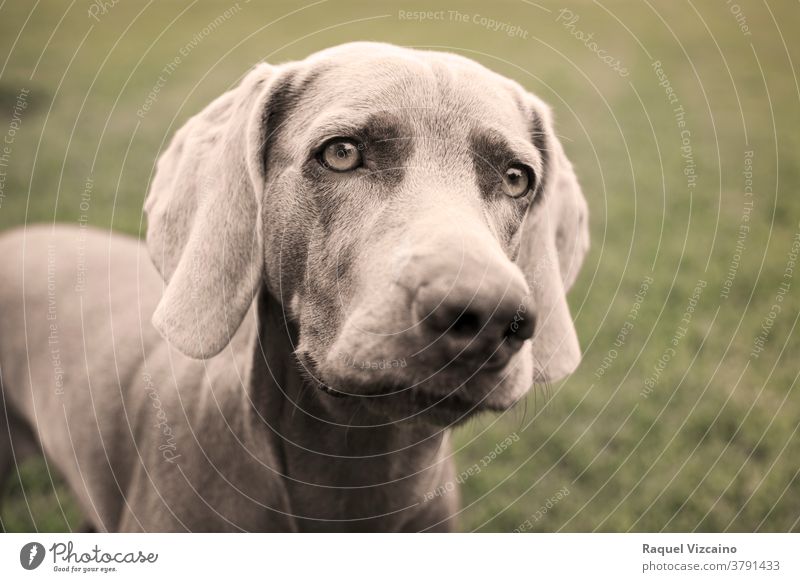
[[454, 407], [396, 399], [412, 404]]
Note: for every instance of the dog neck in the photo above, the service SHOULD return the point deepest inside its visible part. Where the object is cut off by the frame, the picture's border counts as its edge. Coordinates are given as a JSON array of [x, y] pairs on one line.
[[344, 468]]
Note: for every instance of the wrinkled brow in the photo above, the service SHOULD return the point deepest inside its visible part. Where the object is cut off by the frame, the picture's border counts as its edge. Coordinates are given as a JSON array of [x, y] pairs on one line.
[[496, 149], [541, 142], [493, 151], [370, 129]]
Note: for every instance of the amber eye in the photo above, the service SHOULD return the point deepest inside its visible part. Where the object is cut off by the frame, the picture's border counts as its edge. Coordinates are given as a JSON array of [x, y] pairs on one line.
[[341, 155], [517, 180]]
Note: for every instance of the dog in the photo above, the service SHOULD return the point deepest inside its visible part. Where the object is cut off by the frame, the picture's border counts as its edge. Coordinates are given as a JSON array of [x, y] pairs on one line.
[[345, 257]]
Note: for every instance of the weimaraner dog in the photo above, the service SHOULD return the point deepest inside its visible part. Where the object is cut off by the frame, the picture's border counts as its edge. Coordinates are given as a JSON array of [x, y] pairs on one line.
[[345, 257]]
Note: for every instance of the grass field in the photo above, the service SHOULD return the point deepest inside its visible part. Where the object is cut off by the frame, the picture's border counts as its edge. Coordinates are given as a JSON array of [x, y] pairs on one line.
[[675, 420]]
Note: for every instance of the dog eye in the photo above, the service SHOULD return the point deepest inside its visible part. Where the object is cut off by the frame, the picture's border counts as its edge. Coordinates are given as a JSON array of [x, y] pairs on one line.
[[518, 180], [341, 155]]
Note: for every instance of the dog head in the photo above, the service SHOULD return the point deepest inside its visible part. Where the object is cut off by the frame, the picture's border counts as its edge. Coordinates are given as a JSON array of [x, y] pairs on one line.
[[413, 213]]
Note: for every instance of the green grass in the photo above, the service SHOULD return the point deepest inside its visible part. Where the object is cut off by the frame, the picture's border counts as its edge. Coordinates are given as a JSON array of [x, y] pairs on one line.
[[715, 445]]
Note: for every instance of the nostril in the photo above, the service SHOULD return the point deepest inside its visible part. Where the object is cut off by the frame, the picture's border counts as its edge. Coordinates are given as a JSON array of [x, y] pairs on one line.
[[454, 320], [466, 315], [467, 323], [520, 328]]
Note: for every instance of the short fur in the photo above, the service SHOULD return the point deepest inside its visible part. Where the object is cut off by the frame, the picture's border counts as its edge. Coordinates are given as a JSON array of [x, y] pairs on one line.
[[286, 382]]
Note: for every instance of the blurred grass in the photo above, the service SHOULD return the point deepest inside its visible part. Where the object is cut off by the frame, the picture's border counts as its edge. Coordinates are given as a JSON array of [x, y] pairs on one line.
[[715, 446]]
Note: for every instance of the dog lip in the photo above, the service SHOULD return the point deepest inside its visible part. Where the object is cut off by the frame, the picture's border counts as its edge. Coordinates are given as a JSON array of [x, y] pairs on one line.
[[453, 402], [371, 388], [332, 391], [494, 366]]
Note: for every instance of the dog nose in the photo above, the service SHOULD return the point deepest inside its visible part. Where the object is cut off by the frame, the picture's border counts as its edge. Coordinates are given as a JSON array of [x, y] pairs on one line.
[[476, 313], [507, 320]]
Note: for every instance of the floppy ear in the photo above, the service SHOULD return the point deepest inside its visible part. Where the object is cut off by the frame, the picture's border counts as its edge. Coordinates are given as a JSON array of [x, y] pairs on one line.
[[203, 212], [554, 241]]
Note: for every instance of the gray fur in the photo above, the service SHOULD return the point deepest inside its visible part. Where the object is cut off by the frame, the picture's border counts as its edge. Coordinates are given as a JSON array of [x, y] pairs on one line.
[[255, 399]]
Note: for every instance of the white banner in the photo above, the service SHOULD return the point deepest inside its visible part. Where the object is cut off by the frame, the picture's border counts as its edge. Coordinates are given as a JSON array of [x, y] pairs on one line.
[[401, 557]]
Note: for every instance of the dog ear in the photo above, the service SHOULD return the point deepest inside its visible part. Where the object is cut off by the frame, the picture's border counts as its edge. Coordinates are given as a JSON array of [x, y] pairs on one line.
[[203, 213], [554, 242], [572, 230]]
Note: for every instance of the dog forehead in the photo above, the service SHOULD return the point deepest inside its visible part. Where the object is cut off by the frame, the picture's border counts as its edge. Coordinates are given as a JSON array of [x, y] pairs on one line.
[[419, 84]]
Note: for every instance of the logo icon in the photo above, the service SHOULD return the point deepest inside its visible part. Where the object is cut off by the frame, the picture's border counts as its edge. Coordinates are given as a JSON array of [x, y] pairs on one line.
[[31, 555]]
